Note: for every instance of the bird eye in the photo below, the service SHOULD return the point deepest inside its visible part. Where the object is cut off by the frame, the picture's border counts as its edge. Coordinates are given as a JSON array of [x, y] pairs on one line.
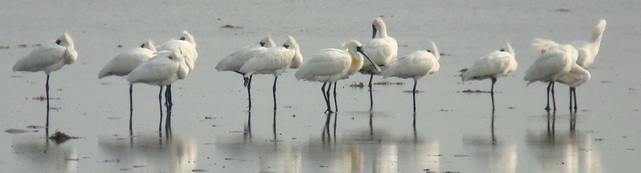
[[262, 43], [171, 57], [430, 51], [58, 42], [142, 46], [286, 46], [502, 50], [182, 38]]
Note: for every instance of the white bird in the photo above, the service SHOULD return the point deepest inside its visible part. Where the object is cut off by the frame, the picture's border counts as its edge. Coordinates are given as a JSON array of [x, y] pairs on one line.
[[49, 57], [588, 50], [233, 62], [415, 65], [127, 61], [551, 65], [577, 76], [274, 61], [493, 65], [162, 70], [186, 45], [383, 51], [330, 65]]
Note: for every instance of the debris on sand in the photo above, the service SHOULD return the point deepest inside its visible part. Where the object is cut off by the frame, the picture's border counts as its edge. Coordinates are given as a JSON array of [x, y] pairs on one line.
[[562, 10], [4, 47], [388, 83], [357, 85], [59, 137], [232, 26], [474, 91]]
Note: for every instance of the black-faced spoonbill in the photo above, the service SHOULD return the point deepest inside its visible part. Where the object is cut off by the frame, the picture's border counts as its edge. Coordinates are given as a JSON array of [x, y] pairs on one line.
[[330, 65], [415, 65], [274, 61], [234, 61], [493, 65], [576, 77], [49, 57], [382, 49], [588, 50], [556, 61], [127, 61]]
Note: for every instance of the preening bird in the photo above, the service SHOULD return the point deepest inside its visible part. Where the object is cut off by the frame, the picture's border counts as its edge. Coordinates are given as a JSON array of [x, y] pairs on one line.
[[588, 50], [127, 61], [577, 76], [233, 62], [330, 65], [493, 65], [415, 65], [382, 49], [49, 57], [556, 61], [274, 61], [186, 45]]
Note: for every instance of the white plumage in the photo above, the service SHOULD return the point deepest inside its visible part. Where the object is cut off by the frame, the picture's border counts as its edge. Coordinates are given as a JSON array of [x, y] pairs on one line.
[[126, 61], [415, 65], [382, 49], [234, 61], [330, 65], [496, 64], [557, 60], [49, 56], [274, 61], [588, 50], [162, 70], [186, 46]]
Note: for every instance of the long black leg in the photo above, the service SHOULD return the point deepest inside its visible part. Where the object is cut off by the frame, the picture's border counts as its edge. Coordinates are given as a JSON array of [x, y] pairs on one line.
[[47, 93], [325, 97], [414, 96], [131, 106], [160, 103], [249, 93], [329, 96], [274, 91], [570, 99], [169, 104], [548, 96], [371, 98], [576, 105], [492, 93], [335, 103], [553, 98]]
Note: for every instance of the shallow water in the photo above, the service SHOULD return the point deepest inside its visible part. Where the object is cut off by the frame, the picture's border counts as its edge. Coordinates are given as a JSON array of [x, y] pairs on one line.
[[211, 131]]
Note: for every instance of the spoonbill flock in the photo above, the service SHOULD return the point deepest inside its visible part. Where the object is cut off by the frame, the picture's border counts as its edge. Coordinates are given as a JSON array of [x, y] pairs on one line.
[[175, 59]]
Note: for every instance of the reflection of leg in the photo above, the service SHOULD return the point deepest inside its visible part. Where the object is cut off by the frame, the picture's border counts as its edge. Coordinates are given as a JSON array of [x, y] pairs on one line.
[[414, 98], [131, 107], [47, 93], [335, 103], [492, 93], [371, 98]]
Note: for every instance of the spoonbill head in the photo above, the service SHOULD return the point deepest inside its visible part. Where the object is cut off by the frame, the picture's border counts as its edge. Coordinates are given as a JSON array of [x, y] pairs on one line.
[[275, 60], [162, 70], [382, 49], [415, 65], [186, 45]]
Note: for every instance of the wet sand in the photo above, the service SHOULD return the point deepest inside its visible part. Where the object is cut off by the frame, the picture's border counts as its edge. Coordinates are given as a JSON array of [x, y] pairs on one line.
[[210, 131]]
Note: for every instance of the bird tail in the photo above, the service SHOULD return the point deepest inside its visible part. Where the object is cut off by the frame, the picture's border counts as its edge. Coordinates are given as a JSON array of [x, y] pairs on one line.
[[543, 45]]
